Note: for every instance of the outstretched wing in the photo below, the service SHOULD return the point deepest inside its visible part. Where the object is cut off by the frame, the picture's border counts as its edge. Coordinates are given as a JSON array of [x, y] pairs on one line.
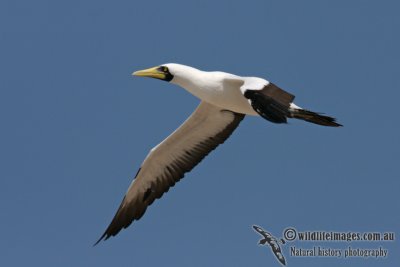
[[261, 231], [167, 163]]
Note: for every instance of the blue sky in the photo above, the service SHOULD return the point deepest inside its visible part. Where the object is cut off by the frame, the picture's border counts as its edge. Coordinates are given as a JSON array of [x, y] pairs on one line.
[[76, 126]]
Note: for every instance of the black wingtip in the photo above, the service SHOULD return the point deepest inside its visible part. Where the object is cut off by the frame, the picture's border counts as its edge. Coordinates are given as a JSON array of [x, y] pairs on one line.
[[100, 239], [104, 237]]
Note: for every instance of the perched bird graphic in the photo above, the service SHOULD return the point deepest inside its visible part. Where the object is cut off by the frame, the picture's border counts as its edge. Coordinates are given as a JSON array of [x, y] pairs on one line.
[[272, 242], [225, 100]]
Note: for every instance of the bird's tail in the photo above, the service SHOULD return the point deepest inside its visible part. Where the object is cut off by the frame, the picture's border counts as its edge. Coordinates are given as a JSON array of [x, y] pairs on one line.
[[313, 117]]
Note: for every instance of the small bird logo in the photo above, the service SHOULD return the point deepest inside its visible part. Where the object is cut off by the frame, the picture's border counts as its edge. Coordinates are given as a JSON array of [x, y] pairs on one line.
[[269, 239]]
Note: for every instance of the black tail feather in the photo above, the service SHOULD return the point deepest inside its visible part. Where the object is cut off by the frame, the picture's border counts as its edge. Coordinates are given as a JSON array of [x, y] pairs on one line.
[[314, 117]]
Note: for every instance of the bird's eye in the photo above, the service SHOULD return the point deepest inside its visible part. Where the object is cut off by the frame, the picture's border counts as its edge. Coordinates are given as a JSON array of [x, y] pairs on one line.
[[163, 69]]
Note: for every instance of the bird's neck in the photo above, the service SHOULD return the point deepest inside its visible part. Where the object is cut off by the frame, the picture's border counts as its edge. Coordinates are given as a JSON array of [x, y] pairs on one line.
[[203, 84], [198, 83], [188, 77]]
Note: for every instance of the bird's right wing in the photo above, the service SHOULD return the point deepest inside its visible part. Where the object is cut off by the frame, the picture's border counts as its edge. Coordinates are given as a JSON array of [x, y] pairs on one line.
[[167, 163]]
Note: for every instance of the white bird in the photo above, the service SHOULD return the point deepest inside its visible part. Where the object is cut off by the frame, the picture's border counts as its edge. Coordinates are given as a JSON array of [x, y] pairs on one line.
[[225, 100]]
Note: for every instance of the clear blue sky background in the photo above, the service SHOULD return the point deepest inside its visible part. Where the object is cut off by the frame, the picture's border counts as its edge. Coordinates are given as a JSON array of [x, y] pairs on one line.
[[75, 126]]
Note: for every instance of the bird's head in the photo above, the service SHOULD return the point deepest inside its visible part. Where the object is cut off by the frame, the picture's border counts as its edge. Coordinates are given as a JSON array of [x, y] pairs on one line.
[[262, 241], [161, 72], [168, 72]]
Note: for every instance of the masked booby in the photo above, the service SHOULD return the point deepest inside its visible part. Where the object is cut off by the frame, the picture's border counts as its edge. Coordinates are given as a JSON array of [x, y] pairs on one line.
[[225, 100]]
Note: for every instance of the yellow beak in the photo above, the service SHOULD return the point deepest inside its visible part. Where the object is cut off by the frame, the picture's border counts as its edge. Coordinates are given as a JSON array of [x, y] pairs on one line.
[[152, 72]]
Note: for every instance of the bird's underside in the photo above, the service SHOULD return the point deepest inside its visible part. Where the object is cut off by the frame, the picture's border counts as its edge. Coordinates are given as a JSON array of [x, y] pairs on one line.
[[207, 127]]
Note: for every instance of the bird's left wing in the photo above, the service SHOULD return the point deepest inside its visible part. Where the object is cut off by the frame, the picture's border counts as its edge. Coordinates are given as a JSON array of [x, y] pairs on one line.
[[167, 163]]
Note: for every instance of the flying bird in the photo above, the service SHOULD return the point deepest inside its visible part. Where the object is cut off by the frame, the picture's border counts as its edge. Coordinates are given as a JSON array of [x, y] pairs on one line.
[[272, 242], [225, 100]]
